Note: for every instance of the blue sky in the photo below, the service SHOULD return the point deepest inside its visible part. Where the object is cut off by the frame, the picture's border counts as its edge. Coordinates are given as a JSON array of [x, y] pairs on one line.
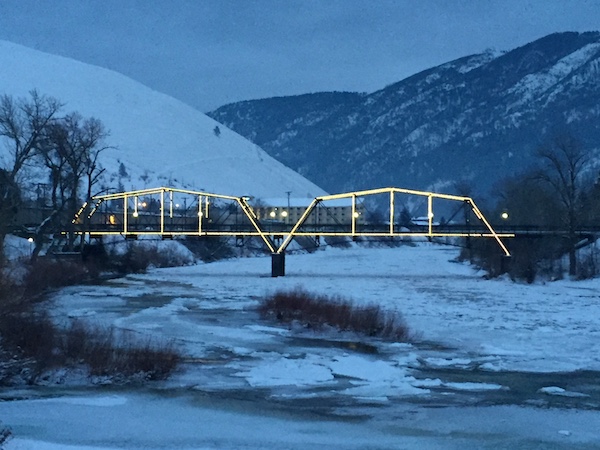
[[212, 52]]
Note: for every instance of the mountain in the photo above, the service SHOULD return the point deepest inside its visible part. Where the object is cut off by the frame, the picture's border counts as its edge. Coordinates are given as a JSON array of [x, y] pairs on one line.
[[159, 140], [476, 119]]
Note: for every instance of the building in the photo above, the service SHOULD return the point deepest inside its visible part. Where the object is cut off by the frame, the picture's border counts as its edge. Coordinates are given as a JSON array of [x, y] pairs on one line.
[[289, 211]]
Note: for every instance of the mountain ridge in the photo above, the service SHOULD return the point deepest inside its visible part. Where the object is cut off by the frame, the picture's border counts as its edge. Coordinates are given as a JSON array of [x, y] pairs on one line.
[[478, 119]]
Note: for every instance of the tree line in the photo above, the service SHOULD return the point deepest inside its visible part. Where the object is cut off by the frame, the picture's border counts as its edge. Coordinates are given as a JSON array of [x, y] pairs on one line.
[[37, 140], [561, 194]]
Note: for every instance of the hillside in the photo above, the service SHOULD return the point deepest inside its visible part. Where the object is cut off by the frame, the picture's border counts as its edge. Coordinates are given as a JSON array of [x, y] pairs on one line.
[[476, 119], [160, 140]]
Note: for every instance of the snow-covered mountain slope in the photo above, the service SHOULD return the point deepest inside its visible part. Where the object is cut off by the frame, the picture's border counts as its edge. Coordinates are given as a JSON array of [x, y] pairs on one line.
[[479, 118], [160, 140]]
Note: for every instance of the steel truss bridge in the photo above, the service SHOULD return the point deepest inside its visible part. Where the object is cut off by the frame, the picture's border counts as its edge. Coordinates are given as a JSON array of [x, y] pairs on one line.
[[170, 212]]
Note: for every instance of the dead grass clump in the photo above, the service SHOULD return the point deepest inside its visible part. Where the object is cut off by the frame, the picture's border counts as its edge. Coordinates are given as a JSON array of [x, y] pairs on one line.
[[108, 352], [41, 346], [31, 344], [32, 336], [316, 311]]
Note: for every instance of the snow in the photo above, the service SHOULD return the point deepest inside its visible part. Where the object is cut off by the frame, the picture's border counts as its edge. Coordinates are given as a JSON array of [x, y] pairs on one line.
[[555, 390], [17, 248], [533, 86], [277, 371], [151, 131], [255, 378]]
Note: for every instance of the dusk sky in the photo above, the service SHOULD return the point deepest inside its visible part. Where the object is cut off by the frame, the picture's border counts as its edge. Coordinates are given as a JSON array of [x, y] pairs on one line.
[[212, 52]]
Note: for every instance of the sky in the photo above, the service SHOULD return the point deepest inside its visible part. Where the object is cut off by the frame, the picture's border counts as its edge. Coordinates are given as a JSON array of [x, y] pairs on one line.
[[208, 53]]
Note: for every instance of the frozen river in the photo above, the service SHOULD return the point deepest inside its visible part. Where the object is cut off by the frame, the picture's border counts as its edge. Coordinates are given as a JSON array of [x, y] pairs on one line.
[[493, 364]]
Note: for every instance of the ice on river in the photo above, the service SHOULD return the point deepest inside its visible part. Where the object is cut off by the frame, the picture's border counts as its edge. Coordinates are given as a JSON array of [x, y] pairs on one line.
[[461, 323]]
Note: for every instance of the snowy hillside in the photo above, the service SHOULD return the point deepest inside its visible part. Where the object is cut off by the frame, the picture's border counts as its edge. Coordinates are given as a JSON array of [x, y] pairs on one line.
[[154, 135]]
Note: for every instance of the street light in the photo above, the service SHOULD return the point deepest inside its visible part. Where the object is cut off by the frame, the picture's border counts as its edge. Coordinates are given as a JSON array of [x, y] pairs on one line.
[[504, 215], [30, 240]]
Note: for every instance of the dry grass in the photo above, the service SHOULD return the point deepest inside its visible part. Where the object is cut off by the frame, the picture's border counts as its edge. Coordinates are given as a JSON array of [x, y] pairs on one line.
[[42, 346], [111, 352], [31, 344], [319, 310]]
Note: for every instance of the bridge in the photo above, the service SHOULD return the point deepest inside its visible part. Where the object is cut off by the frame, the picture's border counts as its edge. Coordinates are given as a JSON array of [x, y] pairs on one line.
[[171, 212]]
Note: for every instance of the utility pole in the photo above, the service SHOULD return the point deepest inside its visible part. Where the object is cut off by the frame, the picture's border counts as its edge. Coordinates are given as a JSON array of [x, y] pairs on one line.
[[288, 205]]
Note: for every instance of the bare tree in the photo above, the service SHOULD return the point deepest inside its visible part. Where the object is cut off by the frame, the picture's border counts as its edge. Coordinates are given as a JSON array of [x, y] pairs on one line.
[[22, 122], [70, 150], [10, 199], [93, 137], [563, 166], [52, 153]]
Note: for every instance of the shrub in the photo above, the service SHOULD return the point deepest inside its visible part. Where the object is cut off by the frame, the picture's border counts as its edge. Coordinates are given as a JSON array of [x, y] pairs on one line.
[[28, 346], [31, 344], [40, 347], [47, 273], [140, 255], [338, 241], [319, 310], [531, 256], [34, 336], [110, 352], [209, 249]]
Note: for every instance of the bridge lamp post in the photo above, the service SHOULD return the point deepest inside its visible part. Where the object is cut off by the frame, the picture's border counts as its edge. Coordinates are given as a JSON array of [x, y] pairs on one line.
[[284, 214], [504, 215], [30, 240], [135, 207]]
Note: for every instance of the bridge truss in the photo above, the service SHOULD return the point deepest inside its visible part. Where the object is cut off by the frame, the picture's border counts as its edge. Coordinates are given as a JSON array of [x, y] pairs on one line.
[[170, 212]]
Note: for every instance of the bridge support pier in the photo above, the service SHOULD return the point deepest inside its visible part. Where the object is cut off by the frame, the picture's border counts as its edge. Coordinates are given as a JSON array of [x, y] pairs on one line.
[[505, 264], [277, 264]]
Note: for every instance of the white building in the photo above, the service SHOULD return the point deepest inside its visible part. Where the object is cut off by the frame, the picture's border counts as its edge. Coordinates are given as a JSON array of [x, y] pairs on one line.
[[330, 212]]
